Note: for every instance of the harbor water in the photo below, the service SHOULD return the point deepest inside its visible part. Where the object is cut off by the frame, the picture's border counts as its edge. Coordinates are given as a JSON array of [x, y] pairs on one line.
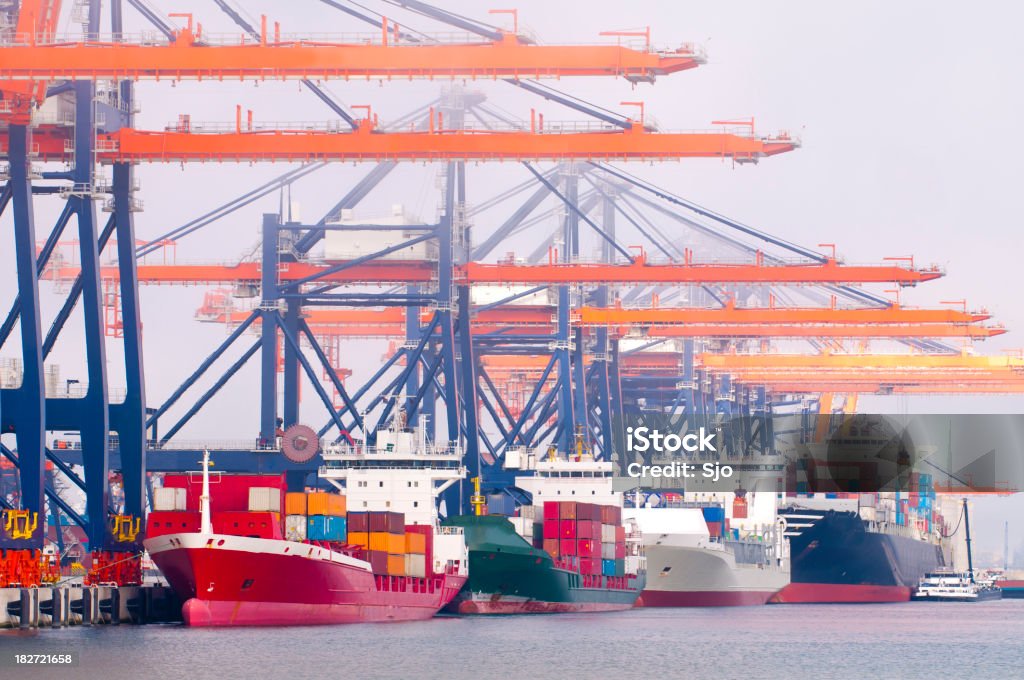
[[905, 641]]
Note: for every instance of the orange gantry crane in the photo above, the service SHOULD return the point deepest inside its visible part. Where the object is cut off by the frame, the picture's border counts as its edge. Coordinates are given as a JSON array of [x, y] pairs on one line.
[[387, 54], [188, 143], [873, 373], [894, 323], [820, 373], [476, 273], [18, 96]]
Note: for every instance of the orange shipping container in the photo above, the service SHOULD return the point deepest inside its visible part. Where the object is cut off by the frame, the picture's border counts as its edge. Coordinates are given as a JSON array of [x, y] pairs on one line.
[[321, 503], [295, 503], [415, 544], [361, 539], [396, 565], [390, 543]]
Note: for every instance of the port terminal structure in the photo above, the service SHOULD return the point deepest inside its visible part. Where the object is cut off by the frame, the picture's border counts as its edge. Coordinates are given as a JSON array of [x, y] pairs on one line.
[[562, 354]]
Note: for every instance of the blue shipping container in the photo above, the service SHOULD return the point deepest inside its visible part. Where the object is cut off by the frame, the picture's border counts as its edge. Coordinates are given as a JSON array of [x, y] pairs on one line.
[[501, 504], [608, 567], [324, 528]]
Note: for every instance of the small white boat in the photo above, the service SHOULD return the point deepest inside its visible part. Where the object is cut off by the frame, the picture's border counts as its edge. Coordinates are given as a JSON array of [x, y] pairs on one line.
[[955, 586]]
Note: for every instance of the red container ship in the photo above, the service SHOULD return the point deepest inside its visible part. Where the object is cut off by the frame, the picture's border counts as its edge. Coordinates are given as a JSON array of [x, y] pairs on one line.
[[257, 567]]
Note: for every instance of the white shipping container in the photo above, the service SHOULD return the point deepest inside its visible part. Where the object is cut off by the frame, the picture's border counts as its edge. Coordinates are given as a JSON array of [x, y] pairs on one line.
[[634, 562], [166, 499], [608, 551], [529, 511], [523, 526], [295, 527], [607, 533], [416, 565], [264, 499]]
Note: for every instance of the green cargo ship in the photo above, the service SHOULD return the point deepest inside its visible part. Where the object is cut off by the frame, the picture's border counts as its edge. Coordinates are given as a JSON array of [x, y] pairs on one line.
[[507, 575]]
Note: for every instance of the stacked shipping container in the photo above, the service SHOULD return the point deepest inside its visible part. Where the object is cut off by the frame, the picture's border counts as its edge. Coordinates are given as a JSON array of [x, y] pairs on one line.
[[585, 535]]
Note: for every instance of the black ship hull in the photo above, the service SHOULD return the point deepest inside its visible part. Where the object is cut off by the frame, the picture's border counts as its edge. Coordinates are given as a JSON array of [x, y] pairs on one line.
[[836, 559]]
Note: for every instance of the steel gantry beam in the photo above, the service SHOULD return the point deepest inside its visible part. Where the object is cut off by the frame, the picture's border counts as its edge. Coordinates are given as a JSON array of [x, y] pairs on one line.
[[511, 320], [640, 271], [861, 361], [190, 55], [478, 273], [235, 143]]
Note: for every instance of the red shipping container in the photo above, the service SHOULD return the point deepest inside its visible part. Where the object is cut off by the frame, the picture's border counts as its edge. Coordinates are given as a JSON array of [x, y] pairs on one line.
[[358, 522], [567, 547], [590, 566], [583, 512], [255, 524], [620, 534], [380, 522], [176, 522], [714, 529], [387, 522], [378, 561], [585, 529], [567, 528], [586, 547], [567, 510], [551, 510], [620, 551], [428, 532], [551, 546], [227, 492], [551, 528]]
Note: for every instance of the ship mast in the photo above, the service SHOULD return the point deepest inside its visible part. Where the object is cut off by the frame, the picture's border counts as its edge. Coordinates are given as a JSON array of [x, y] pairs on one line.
[[206, 526]]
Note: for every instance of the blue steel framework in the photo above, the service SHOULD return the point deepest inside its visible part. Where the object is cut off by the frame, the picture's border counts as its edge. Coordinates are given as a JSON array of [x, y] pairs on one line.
[[27, 411], [574, 404]]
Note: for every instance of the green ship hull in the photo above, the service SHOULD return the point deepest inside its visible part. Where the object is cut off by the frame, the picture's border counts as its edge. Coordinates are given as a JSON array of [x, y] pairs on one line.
[[507, 575]]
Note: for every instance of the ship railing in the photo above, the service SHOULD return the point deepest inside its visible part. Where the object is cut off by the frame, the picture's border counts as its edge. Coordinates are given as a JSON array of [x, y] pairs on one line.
[[450, 531], [340, 451]]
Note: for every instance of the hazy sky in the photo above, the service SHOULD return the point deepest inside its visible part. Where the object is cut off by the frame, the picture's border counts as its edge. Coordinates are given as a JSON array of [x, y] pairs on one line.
[[907, 111]]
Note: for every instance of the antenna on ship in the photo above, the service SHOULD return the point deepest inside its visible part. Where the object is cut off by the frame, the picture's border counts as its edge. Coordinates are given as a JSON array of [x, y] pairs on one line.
[[206, 526]]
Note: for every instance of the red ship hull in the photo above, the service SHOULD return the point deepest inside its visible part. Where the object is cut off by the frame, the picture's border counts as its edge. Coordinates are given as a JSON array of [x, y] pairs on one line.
[[238, 581], [704, 598], [839, 593]]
